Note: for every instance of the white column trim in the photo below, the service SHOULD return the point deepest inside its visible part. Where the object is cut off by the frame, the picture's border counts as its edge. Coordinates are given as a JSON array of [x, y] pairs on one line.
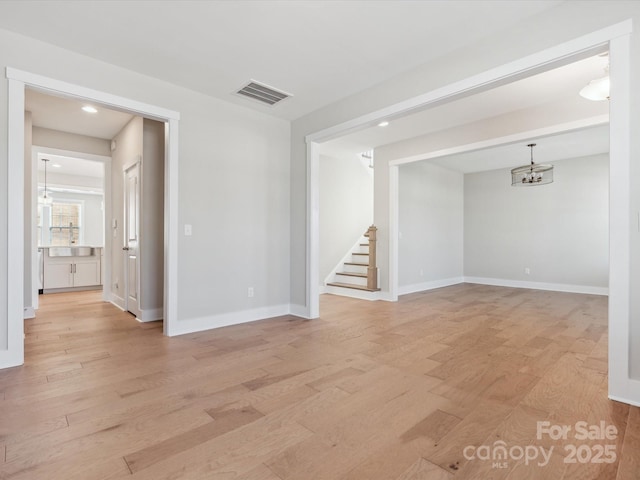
[[170, 325], [313, 230], [394, 228], [620, 384], [14, 354]]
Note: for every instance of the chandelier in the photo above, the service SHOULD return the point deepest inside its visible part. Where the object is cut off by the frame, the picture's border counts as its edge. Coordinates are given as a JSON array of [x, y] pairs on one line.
[[533, 174]]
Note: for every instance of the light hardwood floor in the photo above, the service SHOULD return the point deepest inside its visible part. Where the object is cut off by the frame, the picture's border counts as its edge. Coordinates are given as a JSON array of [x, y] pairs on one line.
[[372, 390]]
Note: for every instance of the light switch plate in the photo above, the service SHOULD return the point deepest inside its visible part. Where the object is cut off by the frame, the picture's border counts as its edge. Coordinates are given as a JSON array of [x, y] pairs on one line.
[[188, 230]]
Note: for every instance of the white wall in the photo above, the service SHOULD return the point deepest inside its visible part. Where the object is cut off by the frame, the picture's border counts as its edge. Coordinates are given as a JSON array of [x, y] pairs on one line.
[[234, 186], [46, 137], [559, 231], [346, 208], [430, 212], [152, 221]]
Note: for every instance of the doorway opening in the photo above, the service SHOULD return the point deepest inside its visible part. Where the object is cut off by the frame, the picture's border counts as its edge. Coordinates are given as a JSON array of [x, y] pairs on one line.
[[74, 213], [615, 39], [19, 81]]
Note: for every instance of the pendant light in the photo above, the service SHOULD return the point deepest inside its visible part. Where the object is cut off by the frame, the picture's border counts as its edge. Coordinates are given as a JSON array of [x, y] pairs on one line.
[[45, 199], [533, 174]]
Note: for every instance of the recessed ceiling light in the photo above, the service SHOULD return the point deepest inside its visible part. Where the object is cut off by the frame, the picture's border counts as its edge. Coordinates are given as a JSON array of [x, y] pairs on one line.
[[56, 165], [383, 124], [90, 109]]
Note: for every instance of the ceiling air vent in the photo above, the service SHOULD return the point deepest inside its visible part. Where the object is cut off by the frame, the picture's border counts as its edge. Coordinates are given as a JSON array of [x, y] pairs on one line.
[[263, 93]]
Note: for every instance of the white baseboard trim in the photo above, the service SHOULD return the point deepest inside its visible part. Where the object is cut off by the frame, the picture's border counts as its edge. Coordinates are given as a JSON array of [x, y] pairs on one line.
[[554, 287], [117, 301], [424, 286], [635, 403], [151, 315], [299, 311], [199, 324], [354, 293], [72, 289], [29, 312]]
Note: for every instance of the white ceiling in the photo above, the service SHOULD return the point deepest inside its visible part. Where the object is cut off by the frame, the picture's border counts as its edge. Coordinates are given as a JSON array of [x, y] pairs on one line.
[[61, 165], [545, 93], [320, 51], [549, 149], [66, 115], [337, 52]]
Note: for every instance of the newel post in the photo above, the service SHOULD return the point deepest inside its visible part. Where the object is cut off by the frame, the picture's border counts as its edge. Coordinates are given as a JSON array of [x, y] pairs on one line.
[[372, 270]]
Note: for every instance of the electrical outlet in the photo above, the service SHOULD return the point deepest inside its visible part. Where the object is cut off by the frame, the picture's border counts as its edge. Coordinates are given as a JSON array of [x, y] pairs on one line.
[[527, 271], [250, 292], [188, 230]]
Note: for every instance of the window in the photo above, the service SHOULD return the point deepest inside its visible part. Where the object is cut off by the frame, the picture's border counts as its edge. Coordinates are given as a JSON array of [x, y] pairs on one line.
[[64, 228]]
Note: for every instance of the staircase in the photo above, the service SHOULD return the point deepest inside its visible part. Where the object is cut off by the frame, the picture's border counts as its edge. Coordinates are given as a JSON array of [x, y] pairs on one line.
[[360, 271]]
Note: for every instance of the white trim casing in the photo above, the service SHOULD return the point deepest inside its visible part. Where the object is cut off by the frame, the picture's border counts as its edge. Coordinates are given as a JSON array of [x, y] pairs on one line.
[[621, 386], [70, 90], [313, 230], [171, 226], [17, 81], [14, 354], [106, 186], [394, 227], [530, 65]]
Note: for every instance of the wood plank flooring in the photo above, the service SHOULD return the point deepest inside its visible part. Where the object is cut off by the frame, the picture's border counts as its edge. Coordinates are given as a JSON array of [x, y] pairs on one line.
[[370, 391]]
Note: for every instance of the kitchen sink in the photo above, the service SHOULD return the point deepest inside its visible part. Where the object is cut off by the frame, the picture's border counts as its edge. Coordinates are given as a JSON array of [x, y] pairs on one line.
[[72, 251]]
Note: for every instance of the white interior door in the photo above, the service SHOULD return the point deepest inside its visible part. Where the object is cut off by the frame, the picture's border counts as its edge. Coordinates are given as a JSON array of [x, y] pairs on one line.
[[132, 238]]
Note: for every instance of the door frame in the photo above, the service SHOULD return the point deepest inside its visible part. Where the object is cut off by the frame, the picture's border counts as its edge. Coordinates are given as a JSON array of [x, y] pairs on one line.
[[17, 81], [106, 189], [617, 39]]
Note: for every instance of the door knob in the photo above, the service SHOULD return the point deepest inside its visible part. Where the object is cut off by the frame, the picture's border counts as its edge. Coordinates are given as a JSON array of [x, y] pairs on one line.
[[126, 248]]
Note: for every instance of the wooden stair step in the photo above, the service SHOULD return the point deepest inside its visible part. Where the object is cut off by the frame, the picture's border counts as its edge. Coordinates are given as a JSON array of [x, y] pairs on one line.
[[355, 287], [357, 264], [352, 274]]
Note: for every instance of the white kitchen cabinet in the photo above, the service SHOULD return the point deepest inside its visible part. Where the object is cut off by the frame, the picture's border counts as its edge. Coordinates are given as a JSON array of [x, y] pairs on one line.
[[58, 275], [86, 273], [68, 272]]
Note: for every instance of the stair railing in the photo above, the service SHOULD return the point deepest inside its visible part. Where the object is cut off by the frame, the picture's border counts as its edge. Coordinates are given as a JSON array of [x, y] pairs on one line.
[[372, 270]]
